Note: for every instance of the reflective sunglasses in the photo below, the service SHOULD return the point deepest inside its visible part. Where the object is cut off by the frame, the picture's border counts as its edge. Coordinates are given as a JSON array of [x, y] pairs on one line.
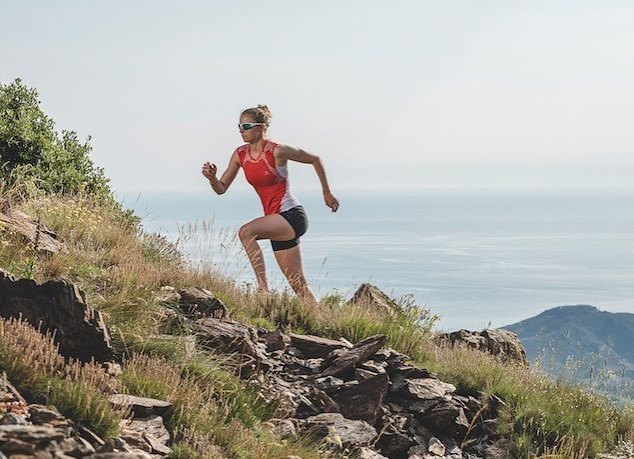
[[247, 126]]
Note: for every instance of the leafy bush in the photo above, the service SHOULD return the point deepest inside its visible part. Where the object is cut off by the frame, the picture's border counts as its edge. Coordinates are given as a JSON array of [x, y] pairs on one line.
[[35, 156], [28, 137]]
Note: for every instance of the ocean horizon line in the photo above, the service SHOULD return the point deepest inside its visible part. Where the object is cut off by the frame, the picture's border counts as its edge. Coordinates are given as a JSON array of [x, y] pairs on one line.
[[379, 188]]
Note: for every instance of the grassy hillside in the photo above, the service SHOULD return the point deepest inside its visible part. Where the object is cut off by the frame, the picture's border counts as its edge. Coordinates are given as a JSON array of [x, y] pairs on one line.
[[122, 270]]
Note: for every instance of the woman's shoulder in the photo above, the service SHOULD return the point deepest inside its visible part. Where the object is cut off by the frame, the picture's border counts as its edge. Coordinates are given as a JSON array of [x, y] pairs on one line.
[[272, 146], [241, 151], [241, 148]]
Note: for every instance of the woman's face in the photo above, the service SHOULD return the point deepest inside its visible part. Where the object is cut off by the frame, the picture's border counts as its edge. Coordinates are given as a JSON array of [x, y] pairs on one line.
[[255, 133]]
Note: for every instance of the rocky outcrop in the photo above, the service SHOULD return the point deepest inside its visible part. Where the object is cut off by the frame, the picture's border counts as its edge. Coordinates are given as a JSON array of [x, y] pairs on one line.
[[364, 398], [61, 308], [41, 431], [371, 296], [38, 235], [500, 343], [361, 398]]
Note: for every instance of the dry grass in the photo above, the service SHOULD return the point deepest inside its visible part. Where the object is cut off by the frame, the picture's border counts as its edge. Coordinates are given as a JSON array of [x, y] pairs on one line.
[[544, 416], [18, 184], [79, 391], [122, 270], [212, 411]]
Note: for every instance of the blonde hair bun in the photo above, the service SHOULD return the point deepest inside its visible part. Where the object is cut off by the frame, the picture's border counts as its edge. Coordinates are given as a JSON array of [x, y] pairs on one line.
[[261, 114]]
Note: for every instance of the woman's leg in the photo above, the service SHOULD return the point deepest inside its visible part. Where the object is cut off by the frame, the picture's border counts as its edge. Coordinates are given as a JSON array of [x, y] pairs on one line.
[[290, 262], [272, 226]]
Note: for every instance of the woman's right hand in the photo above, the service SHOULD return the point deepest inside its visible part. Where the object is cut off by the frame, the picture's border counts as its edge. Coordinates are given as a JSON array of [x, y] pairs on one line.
[[209, 171], [331, 201]]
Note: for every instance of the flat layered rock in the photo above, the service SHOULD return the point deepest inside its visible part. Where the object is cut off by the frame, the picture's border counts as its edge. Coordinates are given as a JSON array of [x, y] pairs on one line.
[[232, 337], [47, 416], [350, 432], [367, 453], [227, 335], [153, 426], [390, 357], [436, 447], [25, 439], [341, 360], [275, 340], [445, 418], [395, 443], [73, 447], [146, 434], [200, 302], [363, 401], [329, 383], [283, 428], [428, 388], [401, 375], [315, 346], [141, 406], [121, 455], [10, 393], [39, 235], [90, 436]]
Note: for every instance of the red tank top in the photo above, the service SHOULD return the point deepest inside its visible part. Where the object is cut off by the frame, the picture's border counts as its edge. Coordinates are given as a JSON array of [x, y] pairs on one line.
[[270, 182]]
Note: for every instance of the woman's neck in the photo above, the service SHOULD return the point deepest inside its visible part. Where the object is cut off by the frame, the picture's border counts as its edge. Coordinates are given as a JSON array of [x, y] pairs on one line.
[[256, 147]]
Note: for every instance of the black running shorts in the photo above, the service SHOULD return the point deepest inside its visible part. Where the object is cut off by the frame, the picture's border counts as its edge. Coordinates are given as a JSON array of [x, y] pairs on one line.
[[298, 221]]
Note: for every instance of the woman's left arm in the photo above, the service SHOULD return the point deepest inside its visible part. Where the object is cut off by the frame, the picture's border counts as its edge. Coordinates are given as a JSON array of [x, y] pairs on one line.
[[301, 156]]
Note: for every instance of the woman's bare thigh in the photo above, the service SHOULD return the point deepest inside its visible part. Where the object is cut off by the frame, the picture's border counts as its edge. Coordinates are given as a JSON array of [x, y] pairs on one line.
[[272, 226]]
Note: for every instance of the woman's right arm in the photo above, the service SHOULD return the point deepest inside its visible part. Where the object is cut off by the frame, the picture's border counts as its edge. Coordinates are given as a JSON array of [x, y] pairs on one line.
[[221, 186]]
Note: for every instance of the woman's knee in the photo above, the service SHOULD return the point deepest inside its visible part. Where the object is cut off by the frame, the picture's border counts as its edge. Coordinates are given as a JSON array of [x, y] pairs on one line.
[[246, 234]]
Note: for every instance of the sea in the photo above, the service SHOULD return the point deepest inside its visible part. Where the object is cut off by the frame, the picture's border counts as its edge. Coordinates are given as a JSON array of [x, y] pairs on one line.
[[476, 258]]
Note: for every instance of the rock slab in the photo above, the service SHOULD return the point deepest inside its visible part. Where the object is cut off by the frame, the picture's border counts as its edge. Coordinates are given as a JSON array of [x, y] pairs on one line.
[[61, 308], [500, 343]]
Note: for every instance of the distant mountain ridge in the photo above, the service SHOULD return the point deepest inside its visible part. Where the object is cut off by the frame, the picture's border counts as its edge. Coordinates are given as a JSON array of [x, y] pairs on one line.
[[581, 341]]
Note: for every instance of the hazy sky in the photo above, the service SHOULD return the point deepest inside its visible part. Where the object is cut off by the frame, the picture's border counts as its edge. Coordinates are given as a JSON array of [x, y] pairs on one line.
[[404, 93]]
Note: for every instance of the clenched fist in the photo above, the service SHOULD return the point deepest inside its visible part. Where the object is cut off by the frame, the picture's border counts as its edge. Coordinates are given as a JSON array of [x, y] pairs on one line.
[[209, 171], [331, 201]]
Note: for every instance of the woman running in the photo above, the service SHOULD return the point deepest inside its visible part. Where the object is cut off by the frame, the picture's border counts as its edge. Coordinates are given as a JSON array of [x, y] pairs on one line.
[[265, 167]]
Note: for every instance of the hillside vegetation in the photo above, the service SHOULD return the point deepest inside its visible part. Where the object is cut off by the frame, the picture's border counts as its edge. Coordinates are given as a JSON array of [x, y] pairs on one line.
[[122, 269], [583, 344]]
